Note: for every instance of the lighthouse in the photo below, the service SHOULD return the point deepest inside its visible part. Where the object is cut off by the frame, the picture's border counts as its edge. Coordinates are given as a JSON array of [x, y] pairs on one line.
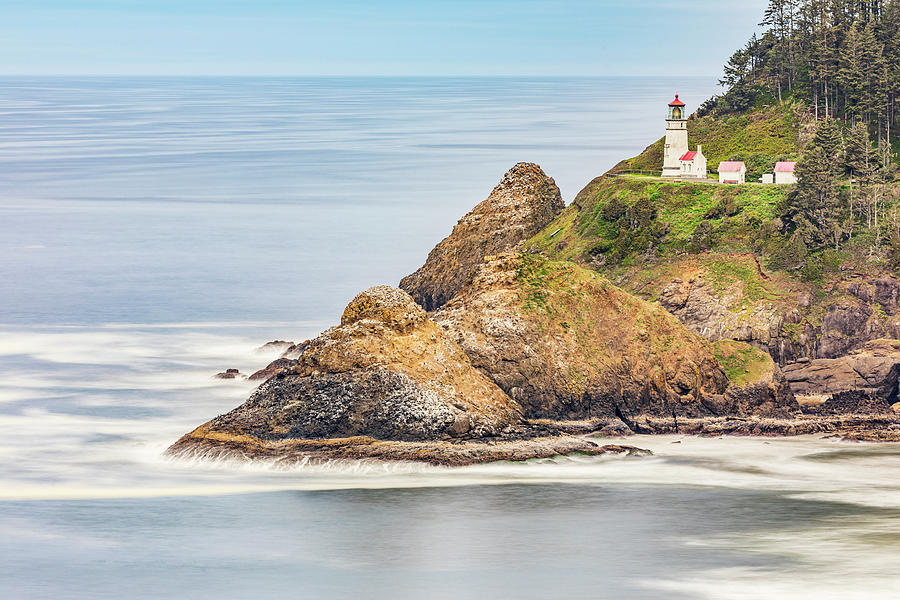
[[676, 139]]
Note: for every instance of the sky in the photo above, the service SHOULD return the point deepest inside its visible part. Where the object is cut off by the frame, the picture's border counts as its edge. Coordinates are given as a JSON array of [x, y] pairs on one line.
[[375, 37]]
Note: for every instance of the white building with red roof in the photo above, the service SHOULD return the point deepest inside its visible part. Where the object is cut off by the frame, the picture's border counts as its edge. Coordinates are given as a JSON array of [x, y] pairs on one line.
[[784, 172], [732, 171], [693, 164]]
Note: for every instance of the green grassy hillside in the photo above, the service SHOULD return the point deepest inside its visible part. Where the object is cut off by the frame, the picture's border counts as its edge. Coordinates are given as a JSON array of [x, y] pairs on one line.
[[620, 220], [759, 137]]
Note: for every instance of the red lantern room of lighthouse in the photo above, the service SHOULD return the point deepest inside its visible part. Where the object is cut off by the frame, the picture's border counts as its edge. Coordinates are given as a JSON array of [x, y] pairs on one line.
[[676, 109]]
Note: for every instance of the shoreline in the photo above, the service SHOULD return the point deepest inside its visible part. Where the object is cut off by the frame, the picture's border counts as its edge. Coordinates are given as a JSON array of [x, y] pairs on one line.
[[575, 438]]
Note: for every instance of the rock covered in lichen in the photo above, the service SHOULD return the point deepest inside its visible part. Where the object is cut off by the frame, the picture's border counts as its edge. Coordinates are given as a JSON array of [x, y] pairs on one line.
[[524, 202]]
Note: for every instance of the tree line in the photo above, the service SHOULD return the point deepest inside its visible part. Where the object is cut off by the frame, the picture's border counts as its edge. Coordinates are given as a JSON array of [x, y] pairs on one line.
[[841, 56]]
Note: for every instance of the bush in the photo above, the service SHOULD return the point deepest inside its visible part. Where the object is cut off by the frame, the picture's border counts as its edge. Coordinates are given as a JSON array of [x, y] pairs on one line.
[[832, 260]]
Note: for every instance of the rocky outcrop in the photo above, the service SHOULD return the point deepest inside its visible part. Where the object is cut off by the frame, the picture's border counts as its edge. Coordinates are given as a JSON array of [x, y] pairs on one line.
[[567, 344], [524, 202], [853, 402], [387, 373], [873, 368], [273, 368], [709, 312], [796, 326], [870, 427]]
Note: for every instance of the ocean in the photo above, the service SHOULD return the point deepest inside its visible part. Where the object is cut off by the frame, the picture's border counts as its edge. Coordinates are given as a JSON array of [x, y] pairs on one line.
[[156, 231]]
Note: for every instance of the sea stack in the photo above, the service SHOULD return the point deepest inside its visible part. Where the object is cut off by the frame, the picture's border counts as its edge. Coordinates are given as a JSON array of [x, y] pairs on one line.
[[522, 204]]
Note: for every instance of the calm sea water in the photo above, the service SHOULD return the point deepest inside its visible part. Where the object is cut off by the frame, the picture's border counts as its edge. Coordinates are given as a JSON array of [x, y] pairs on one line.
[[156, 231]]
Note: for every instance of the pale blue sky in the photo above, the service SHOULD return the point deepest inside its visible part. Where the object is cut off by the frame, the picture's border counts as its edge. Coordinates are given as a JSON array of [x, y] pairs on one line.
[[388, 37]]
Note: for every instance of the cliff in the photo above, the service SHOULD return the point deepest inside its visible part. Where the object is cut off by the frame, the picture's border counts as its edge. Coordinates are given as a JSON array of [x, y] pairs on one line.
[[644, 306], [524, 201]]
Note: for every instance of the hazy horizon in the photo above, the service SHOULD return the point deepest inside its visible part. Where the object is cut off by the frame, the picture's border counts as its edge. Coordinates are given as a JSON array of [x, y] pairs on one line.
[[351, 38]]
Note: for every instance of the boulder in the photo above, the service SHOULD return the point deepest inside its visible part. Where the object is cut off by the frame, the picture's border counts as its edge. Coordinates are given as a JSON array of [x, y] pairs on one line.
[[567, 344], [874, 367], [524, 202]]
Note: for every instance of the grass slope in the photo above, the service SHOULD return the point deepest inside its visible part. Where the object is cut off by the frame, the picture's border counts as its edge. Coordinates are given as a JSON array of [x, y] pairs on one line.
[[759, 138], [619, 220]]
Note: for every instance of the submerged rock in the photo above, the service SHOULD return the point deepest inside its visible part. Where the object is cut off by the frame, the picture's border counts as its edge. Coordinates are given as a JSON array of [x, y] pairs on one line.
[[567, 344], [524, 202], [275, 346], [230, 374]]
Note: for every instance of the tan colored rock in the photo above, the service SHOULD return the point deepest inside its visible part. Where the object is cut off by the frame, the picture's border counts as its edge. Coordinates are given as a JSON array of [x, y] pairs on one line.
[[874, 367], [387, 372], [567, 344], [524, 202]]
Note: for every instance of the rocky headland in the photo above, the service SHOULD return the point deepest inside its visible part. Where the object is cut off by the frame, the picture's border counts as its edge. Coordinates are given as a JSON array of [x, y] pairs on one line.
[[516, 339]]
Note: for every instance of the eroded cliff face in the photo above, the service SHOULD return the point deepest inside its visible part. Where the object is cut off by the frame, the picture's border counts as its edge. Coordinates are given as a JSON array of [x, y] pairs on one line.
[[524, 202], [791, 320], [567, 344]]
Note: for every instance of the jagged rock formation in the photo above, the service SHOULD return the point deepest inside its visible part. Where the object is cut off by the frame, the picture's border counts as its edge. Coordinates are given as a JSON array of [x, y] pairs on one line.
[[524, 202], [567, 344], [386, 373], [795, 325]]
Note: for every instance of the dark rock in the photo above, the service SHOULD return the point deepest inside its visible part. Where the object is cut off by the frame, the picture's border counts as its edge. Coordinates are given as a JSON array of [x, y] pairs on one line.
[[275, 346], [273, 368], [230, 374], [853, 402]]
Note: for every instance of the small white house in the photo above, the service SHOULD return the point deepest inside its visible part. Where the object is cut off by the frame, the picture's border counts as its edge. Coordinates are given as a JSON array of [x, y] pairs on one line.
[[768, 178], [784, 172], [693, 164], [732, 171]]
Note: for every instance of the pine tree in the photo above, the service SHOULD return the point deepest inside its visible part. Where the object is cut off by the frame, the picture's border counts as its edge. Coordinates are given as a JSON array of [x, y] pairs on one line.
[[815, 208]]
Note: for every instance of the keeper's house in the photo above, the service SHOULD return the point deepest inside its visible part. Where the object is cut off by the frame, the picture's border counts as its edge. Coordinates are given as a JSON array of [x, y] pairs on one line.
[[784, 172], [732, 171]]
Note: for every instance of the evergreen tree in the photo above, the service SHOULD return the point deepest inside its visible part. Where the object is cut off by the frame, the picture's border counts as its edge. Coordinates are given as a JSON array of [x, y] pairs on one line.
[[815, 208]]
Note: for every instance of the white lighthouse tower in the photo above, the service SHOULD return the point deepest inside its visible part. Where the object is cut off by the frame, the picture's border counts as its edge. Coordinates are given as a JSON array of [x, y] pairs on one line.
[[676, 139]]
